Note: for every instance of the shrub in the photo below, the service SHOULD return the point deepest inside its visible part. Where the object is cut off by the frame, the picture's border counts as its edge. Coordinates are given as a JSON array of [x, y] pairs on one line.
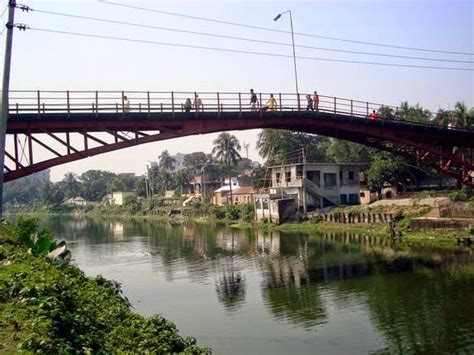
[[232, 212], [248, 213], [458, 196], [58, 310], [217, 211]]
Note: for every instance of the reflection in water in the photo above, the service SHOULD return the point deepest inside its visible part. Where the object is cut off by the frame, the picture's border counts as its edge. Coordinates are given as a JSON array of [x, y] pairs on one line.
[[417, 300]]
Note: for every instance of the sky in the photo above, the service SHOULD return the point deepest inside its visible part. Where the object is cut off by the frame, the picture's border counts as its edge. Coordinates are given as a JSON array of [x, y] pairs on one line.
[[51, 61]]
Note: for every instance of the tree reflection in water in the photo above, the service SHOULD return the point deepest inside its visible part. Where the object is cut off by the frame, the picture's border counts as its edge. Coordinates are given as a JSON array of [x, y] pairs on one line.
[[230, 289], [418, 298], [230, 286]]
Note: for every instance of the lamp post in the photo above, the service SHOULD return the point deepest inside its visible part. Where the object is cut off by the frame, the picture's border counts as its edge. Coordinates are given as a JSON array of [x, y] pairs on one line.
[[203, 178], [276, 18]]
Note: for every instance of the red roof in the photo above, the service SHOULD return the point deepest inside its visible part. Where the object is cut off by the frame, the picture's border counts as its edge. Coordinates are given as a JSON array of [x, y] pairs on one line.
[[244, 190]]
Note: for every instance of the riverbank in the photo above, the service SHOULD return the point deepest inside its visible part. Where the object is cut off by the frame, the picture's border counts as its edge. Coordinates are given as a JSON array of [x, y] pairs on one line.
[[49, 306], [242, 217]]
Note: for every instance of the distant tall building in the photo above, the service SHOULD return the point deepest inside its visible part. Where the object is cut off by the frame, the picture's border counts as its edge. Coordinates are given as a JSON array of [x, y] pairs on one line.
[[178, 164]]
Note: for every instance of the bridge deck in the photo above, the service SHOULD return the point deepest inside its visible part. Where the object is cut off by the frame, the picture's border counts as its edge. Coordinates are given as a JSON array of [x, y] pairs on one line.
[[107, 121]]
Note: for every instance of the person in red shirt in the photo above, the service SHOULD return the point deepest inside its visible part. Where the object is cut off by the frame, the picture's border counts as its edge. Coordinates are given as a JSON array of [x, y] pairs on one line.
[[316, 101], [373, 115]]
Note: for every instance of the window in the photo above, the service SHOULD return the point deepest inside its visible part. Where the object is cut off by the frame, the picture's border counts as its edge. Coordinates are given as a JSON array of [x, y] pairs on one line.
[[299, 171], [351, 176], [329, 180], [362, 194], [265, 203], [353, 199], [288, 176], [278, 178], [258, 204], [341, 176], [343, 199]]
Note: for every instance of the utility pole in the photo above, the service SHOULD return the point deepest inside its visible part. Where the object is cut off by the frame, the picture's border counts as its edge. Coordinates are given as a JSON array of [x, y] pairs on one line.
[[5, 90], [246, 147], [303, 181]]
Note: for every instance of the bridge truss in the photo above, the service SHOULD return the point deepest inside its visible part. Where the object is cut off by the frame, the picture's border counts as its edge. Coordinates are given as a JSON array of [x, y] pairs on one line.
[[50, 128]]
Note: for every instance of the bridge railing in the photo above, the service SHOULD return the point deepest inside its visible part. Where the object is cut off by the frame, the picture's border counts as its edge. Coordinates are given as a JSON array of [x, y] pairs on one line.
[[124, 102]]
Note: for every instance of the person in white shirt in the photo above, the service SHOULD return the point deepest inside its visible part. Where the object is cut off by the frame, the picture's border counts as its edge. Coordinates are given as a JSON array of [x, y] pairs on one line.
[[197, 103]]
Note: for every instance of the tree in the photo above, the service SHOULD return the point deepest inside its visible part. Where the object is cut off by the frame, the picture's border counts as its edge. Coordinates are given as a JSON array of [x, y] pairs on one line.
[[226, 150], [339, 151], [26, 190], [164, 181], [383, 171], [461, 115], [52, 195], [166, 161], [70, 185], [269, 142], [182, 178], [259, 177], [414, 113], [141, 187], [196, 160], [123, 182], [282, 147], [386, 113], [94, 184]]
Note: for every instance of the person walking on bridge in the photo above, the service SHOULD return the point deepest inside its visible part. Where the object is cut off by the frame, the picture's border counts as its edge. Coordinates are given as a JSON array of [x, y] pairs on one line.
[[272, 103], [197, 103], [126, 104], [309, 105], [253, 100], [373, 115], [316, 101], [188, 105]]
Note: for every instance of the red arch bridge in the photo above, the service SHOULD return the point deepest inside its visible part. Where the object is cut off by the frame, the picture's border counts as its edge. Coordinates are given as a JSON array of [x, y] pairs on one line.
[[49, 128]]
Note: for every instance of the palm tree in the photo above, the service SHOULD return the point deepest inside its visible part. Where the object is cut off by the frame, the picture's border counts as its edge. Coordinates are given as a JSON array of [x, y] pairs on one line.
[[226, 149], [71, 185], [182, 179], [268, 142], [461, 115], [166, 161]]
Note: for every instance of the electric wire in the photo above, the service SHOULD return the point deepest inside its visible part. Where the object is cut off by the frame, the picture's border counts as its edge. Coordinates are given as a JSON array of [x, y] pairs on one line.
[[283, 31], [241, 51], [4, 10], [243, 38]]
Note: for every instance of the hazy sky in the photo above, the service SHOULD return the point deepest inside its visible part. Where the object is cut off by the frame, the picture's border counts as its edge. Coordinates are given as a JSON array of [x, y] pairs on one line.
[[48, 61]]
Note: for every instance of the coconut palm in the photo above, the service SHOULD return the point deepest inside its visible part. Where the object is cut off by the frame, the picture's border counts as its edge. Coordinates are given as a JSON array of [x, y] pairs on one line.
[[182, 178], [461, 114], [226, 150], [71, 185], [268, 142], [166, 161]]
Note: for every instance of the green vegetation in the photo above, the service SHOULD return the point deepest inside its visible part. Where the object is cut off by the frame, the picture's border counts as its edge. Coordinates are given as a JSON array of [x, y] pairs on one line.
[[52, 307]]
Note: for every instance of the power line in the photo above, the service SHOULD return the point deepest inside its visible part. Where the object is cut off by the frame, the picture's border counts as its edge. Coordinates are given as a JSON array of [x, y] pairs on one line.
[[242, 51], [283, 31], [242, 38], [4, 10]]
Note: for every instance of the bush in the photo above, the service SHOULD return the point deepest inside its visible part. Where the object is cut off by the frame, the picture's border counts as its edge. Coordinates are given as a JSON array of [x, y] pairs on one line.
[[248, 212], [232, 212], [217, 211], [58, 310], [458, 196]]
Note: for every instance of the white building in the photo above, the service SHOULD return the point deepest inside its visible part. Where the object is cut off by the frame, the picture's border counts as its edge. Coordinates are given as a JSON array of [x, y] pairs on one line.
[[324, 184], [178, 163], [118, 197]]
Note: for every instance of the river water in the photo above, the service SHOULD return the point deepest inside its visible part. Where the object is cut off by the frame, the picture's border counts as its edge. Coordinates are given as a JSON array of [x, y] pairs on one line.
[[251, 292]]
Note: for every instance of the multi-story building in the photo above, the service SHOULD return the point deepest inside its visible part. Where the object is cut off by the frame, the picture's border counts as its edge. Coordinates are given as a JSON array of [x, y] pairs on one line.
[[318, 185]]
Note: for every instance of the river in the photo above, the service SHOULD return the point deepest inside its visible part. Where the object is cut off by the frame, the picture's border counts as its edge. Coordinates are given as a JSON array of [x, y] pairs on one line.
[[255, 292]]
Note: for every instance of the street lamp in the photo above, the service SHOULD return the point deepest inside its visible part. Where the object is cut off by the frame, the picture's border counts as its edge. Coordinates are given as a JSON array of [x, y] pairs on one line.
[[203, 176], [276, 18]]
